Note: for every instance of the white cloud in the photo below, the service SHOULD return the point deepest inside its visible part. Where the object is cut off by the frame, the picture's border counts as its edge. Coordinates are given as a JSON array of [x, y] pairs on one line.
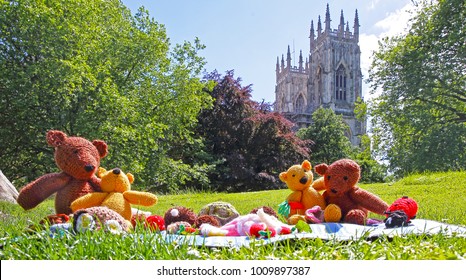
[[396, 23]]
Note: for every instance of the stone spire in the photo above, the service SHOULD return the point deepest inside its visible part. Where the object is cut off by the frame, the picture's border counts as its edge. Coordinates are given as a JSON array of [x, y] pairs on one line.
[[312, 35], [319, 27], [327, 19], [288, 58], [341, 26], [356, 26], [300, 61]]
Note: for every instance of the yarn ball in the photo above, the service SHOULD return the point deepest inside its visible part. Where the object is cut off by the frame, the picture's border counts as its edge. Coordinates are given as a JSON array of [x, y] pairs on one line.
[[224, 212], [332, 213]]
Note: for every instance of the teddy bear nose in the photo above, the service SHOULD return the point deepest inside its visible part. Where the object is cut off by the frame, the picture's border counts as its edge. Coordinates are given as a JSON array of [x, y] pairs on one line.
[[89, 167], [116, 171], [303, 180]]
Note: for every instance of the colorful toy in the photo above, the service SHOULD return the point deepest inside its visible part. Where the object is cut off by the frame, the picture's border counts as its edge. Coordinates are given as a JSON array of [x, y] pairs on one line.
[[260, 224], [401, 212], [116, 194], [99, 218], [340, 189], [299, 178], [78, 159], [224, 212], [180, 214]]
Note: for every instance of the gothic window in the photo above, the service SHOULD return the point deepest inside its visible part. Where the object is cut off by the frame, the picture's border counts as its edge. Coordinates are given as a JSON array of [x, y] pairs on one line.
[[300, 104], [340, 83]]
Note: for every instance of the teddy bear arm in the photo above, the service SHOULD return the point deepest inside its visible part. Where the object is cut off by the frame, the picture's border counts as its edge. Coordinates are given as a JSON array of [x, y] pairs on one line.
[[88, 200], [140, 198], [369, 201], [294, 196], [319, 184], [37, 191]]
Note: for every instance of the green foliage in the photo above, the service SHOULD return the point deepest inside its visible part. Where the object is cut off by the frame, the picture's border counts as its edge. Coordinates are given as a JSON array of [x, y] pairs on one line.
[[92, 69], [327, 133], [432, 191], [419, 118]]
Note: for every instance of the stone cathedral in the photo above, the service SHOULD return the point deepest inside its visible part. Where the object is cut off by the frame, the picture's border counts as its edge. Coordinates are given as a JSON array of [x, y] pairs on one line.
[[330, 77]]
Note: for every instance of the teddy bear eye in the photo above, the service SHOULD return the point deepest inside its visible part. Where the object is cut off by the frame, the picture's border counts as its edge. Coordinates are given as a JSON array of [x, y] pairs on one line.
[[345, 178], [293, 175], [328, 177]]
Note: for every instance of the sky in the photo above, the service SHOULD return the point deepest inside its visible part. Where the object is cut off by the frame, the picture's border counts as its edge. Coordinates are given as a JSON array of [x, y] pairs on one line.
[[247, 36]]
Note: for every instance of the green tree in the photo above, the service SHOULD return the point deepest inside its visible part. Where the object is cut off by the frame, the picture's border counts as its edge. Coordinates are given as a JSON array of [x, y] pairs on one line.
[[91, 68], [419, 112], [249, 144], [327, 133]]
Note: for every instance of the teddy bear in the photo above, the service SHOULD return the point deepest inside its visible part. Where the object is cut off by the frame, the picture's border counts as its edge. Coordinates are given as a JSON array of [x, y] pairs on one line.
[[116, 194], [298, 179], [78, 159], [345, 200]]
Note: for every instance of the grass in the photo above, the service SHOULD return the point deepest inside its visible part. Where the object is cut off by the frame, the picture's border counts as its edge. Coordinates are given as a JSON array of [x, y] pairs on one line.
[[441, 197]]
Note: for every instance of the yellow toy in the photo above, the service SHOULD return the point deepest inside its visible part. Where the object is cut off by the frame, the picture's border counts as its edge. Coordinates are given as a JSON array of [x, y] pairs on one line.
[[299, 178], [116, 194]]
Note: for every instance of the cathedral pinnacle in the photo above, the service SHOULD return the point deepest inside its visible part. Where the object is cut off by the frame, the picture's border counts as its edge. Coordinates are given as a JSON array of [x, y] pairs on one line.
[[327, 19]]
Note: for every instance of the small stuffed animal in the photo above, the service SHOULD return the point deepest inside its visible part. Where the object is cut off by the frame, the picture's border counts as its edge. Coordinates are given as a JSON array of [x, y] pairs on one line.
[[100, 218], [401, 212], [116, 194], [78, 160], [299, 178], [342, 194]]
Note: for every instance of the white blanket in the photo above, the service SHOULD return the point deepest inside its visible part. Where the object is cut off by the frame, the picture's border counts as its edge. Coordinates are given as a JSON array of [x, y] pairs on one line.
[[326, 231]]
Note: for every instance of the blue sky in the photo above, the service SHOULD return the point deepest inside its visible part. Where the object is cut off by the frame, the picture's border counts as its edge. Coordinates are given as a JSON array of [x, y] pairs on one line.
[[247, 35]]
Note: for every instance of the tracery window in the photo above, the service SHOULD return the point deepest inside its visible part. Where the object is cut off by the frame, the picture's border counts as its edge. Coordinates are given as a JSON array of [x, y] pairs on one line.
[[340, 83]]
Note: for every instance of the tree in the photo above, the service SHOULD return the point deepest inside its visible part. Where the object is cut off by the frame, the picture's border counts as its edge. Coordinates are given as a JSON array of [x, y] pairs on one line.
[[249, 143], [327, 133], [92, 69], [419, 116]]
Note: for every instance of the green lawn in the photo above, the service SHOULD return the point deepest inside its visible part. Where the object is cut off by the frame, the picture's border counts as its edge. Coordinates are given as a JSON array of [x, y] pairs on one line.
[[441, 197]]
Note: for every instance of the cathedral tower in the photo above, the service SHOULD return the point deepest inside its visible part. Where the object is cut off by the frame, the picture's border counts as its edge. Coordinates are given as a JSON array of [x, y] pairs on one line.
[[330, 77]]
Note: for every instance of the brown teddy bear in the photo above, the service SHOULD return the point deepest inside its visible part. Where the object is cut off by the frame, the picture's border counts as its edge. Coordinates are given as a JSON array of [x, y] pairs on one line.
[[78, 160], [299, 178], [346, 201]]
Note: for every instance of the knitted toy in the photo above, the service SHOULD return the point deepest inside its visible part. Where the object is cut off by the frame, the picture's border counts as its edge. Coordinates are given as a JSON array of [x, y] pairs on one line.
[[179, 214], [401, 212], [259, 225], [116, 194], [224, 212], [78, 160], [343, 195], [100, 218], [298, 179]]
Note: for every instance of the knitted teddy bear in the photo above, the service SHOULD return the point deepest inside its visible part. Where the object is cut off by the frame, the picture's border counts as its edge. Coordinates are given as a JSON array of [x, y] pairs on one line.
[[78, 160], [299, 178], [346, 201], [116, 194]]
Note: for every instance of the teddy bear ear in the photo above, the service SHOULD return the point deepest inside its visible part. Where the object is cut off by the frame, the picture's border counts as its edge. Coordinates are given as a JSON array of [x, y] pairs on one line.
[[321, 168], [55, 138], [130, 177], [283, 177], [306, 165], [101, 147], [101, 172]]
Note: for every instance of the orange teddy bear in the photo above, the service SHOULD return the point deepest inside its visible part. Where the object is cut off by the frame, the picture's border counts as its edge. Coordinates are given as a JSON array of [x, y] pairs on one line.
[[345, 200], [116, 194], [299, 178]]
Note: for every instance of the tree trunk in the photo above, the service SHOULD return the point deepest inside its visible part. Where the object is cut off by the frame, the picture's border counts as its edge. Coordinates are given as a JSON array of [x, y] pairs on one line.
[[7, 191]]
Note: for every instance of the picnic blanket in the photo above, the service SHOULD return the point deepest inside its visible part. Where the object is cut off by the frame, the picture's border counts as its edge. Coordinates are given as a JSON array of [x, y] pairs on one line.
[[326, 231]]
